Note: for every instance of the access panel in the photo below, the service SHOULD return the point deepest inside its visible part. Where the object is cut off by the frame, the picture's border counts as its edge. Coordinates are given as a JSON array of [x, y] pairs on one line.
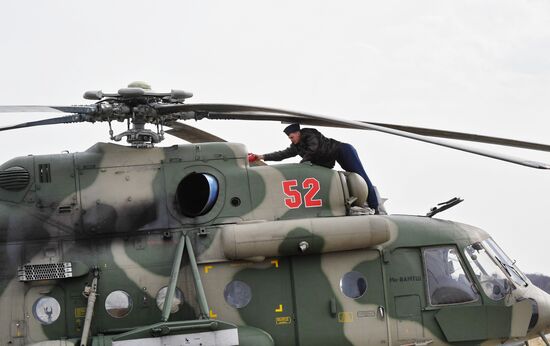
[[340, 298]]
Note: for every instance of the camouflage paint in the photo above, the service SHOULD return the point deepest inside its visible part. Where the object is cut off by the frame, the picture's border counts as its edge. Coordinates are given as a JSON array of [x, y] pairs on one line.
[[116, 207]]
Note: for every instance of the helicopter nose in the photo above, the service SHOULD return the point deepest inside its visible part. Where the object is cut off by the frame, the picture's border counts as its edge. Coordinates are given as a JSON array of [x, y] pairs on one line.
[[540, 318]]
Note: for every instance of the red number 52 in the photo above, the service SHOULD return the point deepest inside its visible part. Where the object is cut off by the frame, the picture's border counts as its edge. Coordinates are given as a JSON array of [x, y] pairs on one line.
[[294, 197]]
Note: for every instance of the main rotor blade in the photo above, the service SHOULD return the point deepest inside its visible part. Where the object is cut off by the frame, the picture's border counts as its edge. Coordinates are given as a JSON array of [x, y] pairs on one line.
[[470, 137], [230, 111], [76, 118], [239, 112], [48, 109], [192, 134]]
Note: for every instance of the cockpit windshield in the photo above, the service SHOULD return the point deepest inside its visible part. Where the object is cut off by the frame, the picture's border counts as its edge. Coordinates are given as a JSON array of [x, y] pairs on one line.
[[513, 271], [490, 276]]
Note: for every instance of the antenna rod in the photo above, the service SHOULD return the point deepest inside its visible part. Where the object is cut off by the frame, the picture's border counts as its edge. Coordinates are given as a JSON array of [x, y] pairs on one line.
[[444, 206]]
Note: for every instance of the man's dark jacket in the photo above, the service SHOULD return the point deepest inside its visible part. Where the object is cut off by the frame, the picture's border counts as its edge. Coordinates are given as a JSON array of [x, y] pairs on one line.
[[313, 147]]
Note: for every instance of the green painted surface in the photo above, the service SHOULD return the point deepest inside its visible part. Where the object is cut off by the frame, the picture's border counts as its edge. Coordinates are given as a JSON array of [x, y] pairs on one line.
[[115, 208]]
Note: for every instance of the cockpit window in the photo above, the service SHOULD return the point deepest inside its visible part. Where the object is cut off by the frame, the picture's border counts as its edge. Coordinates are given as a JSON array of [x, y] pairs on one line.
[[505, 261], [490, 276], [447, 280]]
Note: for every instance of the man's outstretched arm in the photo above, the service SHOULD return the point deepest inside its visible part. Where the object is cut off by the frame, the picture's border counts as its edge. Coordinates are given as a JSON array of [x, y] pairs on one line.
[[280, 155]]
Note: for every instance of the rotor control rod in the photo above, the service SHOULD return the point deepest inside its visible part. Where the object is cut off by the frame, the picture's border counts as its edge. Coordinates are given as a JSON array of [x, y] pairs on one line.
[[91, 292]]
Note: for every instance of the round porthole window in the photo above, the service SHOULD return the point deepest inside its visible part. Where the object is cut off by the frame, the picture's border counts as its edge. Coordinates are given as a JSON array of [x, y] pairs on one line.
[[118, 304], [176, 303], [46, 310], [237, 294], [353, 284]]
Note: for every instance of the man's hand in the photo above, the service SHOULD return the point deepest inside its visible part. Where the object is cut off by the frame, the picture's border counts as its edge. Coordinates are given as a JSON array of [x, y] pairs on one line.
[[254, 157]]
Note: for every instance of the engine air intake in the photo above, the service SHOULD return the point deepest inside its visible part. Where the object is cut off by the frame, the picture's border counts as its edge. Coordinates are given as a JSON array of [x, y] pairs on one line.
[[197, 193], [14, 178], [47, 271]]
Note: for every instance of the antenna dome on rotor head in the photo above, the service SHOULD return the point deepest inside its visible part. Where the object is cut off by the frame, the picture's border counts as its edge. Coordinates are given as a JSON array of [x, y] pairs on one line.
[[140, 84]]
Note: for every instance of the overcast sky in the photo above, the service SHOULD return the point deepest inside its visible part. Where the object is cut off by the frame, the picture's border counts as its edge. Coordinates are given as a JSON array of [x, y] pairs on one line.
[[474, 66]]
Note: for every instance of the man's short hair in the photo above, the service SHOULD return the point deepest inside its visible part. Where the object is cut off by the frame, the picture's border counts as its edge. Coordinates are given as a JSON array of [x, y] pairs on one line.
[[291, 128]]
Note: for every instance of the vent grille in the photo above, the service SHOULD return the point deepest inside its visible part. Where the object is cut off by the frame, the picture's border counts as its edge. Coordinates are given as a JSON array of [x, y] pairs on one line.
[[49, 271], [64, 209], [14, 178]]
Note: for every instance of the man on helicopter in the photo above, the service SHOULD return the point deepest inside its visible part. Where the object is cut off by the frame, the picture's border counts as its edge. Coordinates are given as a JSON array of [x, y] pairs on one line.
[[312, 146]]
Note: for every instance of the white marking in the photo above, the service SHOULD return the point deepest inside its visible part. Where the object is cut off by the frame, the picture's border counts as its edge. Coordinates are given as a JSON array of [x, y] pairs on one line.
[[228, 337]]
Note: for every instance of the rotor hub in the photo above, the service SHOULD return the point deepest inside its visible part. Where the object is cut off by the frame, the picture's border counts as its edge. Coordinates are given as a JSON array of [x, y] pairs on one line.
[[137, 104]]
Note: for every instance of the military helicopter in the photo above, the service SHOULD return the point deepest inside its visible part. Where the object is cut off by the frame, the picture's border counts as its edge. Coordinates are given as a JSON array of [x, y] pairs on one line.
[[192, 245]]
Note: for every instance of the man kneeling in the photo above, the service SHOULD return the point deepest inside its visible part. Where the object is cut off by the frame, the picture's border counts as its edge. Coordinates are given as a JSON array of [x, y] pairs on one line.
[[312, 146]]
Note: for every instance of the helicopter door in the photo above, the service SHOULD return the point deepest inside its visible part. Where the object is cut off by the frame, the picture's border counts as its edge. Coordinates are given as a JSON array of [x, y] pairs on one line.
[[340, 298], [426, 286], [406, 295]]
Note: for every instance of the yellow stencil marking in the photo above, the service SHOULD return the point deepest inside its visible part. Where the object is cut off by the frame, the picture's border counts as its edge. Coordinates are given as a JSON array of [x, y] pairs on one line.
[[240, 264], [80, 312], [280, 308], [275, 263], [283, 320], [207, 268], [212, 314], [345, 317]]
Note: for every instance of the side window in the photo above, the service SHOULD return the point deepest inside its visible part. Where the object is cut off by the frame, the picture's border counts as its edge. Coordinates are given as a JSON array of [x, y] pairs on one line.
[[237, 294], [447, 279], [177, 303], [353, 284], [118, 304], [490, 276], [46, 310]]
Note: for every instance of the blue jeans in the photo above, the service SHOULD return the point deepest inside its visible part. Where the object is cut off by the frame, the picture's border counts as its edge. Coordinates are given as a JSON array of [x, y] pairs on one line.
[[348, 159]]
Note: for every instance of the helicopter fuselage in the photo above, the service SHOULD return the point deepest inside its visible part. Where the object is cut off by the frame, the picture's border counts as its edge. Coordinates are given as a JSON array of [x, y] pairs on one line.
[[278, 249]]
